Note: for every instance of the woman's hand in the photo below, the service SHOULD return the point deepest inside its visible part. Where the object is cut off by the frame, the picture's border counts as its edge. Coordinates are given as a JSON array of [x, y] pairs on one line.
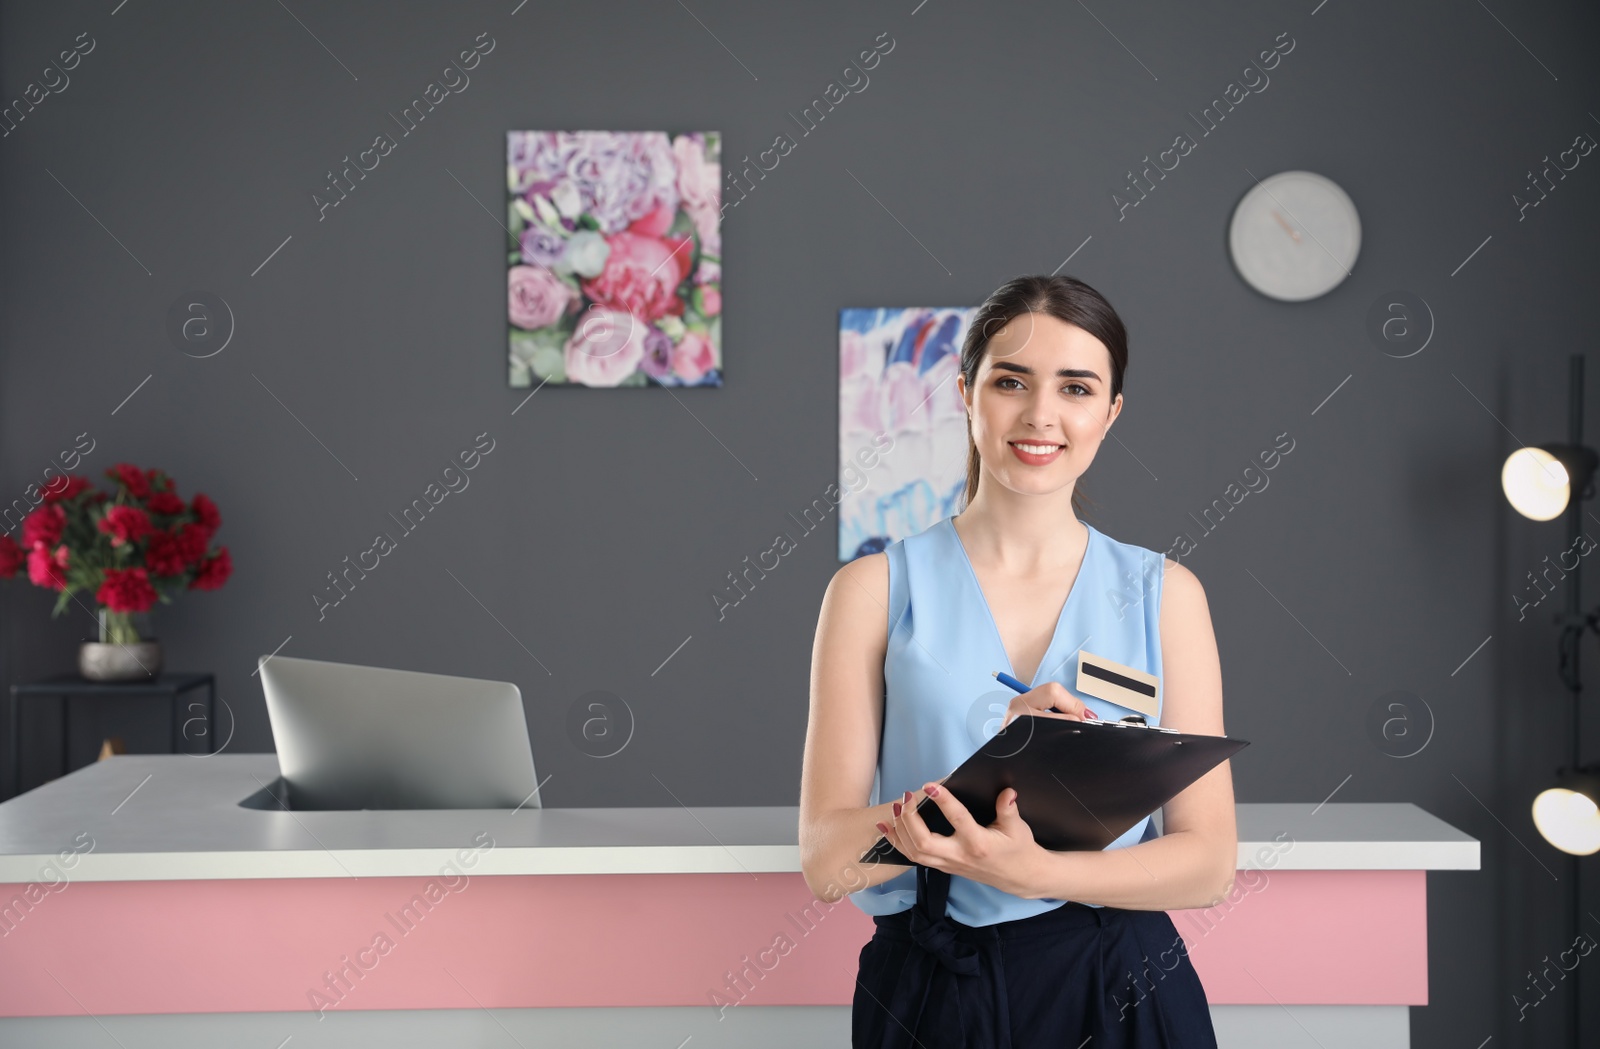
[[1002, 854], [1039, 701]]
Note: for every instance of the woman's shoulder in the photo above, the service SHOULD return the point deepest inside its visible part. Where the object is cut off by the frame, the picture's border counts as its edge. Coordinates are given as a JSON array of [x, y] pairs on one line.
[[865, 578], [1131, 551], [854, 603], [1150, 563]]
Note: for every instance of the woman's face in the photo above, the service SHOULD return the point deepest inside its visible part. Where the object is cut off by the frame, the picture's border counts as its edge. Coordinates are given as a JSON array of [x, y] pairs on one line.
[[1041, 403]]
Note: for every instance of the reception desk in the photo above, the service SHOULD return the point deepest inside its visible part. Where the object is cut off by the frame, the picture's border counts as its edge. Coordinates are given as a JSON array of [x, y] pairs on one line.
[[139, 898]]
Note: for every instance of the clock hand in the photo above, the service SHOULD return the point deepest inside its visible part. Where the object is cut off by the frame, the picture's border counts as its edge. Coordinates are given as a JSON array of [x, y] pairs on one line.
[[1290, 229]]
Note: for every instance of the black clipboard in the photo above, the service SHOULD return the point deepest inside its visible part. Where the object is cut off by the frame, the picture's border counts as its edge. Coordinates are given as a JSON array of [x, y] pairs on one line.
[[1080, 784]]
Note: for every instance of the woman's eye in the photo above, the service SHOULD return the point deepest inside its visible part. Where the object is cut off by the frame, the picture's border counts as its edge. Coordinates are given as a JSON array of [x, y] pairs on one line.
[[1082, 390]]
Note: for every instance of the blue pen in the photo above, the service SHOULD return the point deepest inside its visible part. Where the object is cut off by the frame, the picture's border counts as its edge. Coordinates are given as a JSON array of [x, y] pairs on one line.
[[1012, 683]]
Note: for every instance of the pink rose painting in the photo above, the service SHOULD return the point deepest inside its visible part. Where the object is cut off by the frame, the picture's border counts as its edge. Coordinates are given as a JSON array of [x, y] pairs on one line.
[[615, 258], [897, 383]]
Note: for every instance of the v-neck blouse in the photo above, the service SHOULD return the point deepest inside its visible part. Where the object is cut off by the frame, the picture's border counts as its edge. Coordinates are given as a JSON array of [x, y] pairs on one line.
[[994, 625], [941, 701]]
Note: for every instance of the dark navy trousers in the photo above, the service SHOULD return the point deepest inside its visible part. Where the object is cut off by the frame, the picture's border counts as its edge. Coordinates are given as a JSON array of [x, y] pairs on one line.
[[1111, 978]]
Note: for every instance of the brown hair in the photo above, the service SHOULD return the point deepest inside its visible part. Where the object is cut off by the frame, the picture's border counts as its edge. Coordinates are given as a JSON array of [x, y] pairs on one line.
[[1064, 298]]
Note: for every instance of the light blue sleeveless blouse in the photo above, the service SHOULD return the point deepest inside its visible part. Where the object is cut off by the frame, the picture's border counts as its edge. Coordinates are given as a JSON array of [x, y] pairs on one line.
[[942, 702]]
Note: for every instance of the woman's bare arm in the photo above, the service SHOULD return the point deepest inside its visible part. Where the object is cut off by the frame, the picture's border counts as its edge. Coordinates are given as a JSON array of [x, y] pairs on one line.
[[842, 733], [1193, 863]]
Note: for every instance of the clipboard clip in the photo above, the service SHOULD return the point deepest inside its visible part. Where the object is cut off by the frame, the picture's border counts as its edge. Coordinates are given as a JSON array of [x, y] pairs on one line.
[[1136, 721]]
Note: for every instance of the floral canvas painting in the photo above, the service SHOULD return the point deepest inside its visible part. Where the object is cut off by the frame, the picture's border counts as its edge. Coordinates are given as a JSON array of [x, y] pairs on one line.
[[615, 262], [902, 425]]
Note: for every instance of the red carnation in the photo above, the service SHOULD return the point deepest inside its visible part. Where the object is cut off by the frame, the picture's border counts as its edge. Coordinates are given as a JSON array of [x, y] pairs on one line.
[[214, 571], [46, 569], [125, 524], [135, 480], [192, 542], [64, 488], [165, 503], [167, 554], [126, 590], [205, 512], [158, 541], [43, 526], [12, 557]]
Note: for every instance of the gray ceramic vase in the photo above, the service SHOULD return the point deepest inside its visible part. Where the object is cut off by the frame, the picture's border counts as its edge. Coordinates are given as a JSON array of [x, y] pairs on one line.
[[104, 661]]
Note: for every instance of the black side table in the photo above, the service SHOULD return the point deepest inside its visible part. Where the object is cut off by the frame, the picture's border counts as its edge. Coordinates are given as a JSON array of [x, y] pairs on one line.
[[67, 686]]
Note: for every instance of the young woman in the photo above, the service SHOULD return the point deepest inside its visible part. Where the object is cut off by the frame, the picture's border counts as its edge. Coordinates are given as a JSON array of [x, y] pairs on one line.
[[991, 940]]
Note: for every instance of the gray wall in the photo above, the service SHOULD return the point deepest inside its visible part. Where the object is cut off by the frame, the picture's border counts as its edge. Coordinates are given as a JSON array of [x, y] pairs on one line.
[[585, 550]]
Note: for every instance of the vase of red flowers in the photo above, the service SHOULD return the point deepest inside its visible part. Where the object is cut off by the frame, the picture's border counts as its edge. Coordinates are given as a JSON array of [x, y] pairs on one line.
[[127, 549]]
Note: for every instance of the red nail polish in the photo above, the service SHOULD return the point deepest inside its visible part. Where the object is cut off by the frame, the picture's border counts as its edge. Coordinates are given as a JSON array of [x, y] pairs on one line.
[[933, 792], [907, 796], [882, 828], [897, 810]]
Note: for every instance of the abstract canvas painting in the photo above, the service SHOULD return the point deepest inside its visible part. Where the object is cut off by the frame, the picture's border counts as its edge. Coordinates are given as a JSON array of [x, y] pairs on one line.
[[897, 378], [615, 264]]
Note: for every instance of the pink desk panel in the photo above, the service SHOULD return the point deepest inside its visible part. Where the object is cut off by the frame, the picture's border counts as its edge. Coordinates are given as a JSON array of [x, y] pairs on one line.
[[1296, 937]]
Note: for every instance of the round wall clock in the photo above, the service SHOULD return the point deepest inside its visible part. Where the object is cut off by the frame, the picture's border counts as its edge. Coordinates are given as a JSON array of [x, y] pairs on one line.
[[1294, 236]]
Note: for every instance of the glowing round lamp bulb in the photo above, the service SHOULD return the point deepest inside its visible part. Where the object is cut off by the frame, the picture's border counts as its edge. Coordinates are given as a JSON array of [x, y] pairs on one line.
[[1568, 820], [1535, 483]]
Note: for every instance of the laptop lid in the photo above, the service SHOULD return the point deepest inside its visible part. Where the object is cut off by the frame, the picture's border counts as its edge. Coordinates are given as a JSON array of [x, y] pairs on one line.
[[359, 737]]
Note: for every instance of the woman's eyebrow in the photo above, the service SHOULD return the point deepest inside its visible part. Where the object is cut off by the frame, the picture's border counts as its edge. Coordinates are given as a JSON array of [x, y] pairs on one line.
[[1065, 373]]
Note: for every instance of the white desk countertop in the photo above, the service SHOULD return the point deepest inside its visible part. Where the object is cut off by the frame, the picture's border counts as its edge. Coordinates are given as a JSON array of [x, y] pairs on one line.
[[177, 817]]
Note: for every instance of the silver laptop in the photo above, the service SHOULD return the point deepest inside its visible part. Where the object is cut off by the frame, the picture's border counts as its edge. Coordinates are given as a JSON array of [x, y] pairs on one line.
[[355, 737]]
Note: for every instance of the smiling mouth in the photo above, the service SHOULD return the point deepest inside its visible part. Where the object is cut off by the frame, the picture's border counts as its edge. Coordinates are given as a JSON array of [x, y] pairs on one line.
[[1035, 449]]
